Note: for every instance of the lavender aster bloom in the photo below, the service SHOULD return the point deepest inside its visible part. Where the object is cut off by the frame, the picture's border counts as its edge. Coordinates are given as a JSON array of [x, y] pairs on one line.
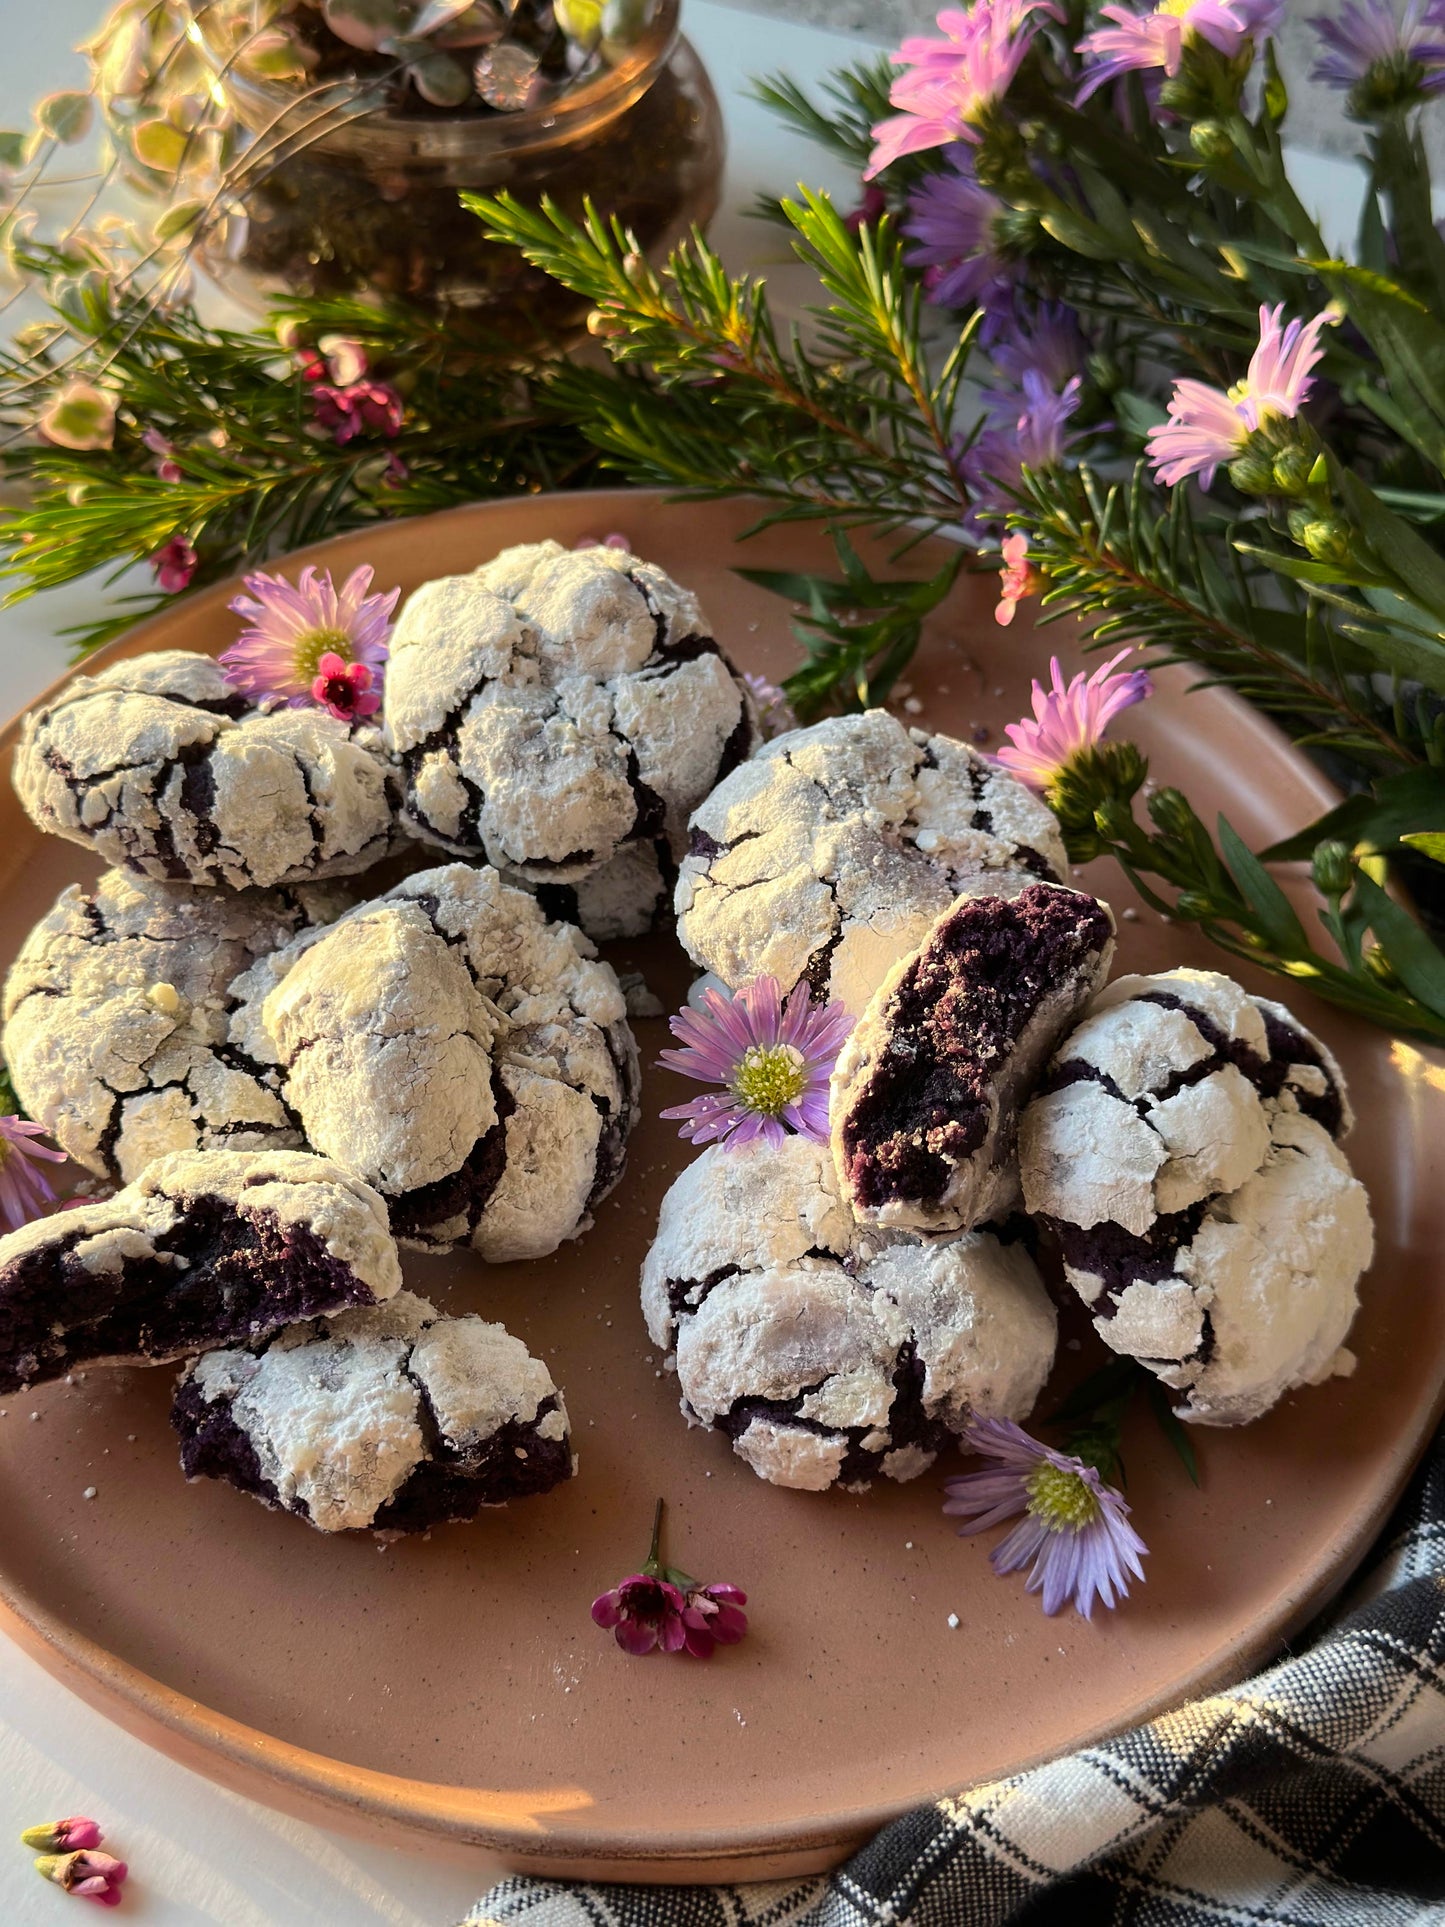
[[1383, 61], [776, 715], [292, 626], [1137, 42], [1074, 1534], [773, 1060], [1036, 437], [952, 83], [25, 1190], [1050, 343], [1208, 426], [1069, 718], [953, 218]]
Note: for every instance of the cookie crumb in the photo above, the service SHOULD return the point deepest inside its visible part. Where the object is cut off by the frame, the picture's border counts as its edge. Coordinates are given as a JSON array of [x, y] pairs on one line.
[[953, 1621]]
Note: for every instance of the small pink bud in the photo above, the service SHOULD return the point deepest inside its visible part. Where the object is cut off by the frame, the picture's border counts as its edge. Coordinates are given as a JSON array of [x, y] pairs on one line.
[[92, 1876], [63, 1836]]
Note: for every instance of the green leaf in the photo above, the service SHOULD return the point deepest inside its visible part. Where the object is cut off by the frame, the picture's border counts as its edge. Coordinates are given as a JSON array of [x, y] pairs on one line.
[[1410, 799], [1418, 569], [1409, 340], [1273, 912], [179, 218], [1298, 568], [1430, 843], [1115, 1377], [1416, 961], [12, 147], [160, 146], [65, 116], [1170, 1426]]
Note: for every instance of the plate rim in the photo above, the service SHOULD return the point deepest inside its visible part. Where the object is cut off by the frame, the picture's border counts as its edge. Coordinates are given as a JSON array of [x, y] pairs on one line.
[[269, 1769]]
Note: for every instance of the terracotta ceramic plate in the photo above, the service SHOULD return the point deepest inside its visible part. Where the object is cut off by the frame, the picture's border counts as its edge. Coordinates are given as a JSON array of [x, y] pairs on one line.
[[457, 1687]]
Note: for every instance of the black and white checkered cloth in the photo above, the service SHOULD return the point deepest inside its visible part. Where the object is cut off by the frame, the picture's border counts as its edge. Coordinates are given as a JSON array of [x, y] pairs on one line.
[[1311, 1796]]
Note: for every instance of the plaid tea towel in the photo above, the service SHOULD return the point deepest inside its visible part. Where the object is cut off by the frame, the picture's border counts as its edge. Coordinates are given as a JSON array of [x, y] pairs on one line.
[[1311, 1796]]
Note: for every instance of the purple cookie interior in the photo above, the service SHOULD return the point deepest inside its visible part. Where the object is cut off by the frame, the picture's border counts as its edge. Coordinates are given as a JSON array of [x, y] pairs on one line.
[[245, 1277], [955, 1015]]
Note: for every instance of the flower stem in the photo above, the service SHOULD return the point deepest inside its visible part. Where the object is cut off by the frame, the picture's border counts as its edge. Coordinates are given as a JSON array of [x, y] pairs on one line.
[[653, 1565]]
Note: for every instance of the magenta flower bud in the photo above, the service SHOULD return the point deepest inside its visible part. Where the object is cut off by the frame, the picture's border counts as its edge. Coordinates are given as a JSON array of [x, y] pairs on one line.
[[87, 1874], [63, 1836]]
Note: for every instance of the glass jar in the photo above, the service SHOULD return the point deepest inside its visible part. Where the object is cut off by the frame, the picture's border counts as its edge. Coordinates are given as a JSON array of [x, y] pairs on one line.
[[372, 205]]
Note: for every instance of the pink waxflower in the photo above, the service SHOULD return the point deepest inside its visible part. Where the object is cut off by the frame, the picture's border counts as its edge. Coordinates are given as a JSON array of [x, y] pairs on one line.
[[361, 407], [344, 689], [345, 359], [174, 565], [167, 467], [25, 1191], [1074, 1534], [1016, 581], [291, 627], [1208, 426], [663, 1610], [63, 1836], [87, 1874], [1069, 719], [1138, 42], [614, 539], [872, 206], [951, 84], [772, 1059]]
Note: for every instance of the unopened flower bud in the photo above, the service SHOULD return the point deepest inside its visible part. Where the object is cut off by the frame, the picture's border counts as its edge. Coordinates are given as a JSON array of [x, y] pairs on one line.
[[1252, 473], [288, 334], [1171, 812], [94, 1876], [633, 265], [1104, 372], [1114, 818], [1210, 140], [1331, 868], [63, 1836], [1292, 468], [1328, 539], [603, 324]]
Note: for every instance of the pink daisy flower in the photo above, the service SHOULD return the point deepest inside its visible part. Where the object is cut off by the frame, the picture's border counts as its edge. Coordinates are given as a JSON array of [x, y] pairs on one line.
[[292, 627], [1207, 426], [1016, 581], [772, 1059], [25, 1191], [952, 83], [1074, 1535], [1069, 718], [1137, 42]]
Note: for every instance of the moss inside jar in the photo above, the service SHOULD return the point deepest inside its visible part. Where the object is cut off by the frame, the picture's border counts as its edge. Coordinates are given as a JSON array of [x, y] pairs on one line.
[[390, 108]]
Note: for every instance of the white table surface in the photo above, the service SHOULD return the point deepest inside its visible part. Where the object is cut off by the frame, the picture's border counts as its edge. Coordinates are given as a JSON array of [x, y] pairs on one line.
[[199, 1854]]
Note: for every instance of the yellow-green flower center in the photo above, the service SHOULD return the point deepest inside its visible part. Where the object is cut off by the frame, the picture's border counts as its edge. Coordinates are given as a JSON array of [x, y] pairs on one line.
[[1062, 1499], [770, 1077], [315, 644], [1177, 9]]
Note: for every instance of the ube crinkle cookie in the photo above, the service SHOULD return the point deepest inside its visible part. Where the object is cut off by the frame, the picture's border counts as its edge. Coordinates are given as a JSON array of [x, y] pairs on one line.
[[162, 768], [116, 1014], [456, 1050], [557, 706], [829, 853], [207, 1248], [828, 1353], [1182, 1150], [925, 1093], [390, 1418]]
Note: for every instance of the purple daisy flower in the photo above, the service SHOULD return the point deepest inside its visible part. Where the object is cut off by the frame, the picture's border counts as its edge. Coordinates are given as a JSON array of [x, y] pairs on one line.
[[25, 1191], [1139, 42], [772, 1059], [1207, 426], [776, 715], [952, 83], [1049, 342], [954, 220], [1037, 436], [1074, 1534], [291, 627], [1392, 61], [1069, 718]]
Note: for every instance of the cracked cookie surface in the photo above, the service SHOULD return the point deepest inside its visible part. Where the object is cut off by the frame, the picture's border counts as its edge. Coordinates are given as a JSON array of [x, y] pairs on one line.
[[390, 1418], [826, 1351], [455, 1049], [1182, 1150], [555, 707], [924, 1097], [829, 853], [163, 769], [208, 1248], [116, 1014]]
